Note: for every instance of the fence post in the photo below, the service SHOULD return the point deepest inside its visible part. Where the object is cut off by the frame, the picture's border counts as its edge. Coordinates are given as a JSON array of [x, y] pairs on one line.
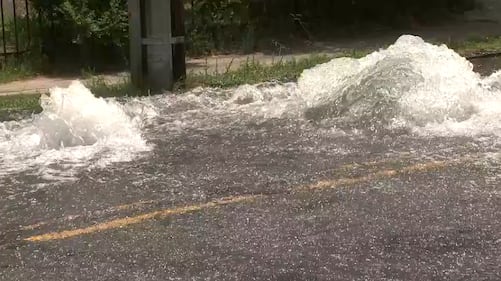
[[4, 43], [178, 48]]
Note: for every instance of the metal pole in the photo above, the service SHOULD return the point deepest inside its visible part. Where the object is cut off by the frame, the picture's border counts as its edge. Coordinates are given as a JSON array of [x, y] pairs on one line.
[[192, 13], [28, 24], [4, 43], [16, 35], [178, 48]]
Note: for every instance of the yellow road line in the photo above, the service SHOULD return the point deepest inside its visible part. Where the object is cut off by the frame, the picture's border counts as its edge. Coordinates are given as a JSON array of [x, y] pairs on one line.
[[135, 205], [120, 223], [142, 204], [422, 167], [110, 210], [325, 184]]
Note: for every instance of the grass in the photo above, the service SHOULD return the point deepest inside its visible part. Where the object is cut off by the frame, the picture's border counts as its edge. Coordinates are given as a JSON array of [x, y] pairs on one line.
[[14, 106], [102, 88], [477, 45], [250, 72], [17, 69], [253, 72], [21, 102], [28, 64]]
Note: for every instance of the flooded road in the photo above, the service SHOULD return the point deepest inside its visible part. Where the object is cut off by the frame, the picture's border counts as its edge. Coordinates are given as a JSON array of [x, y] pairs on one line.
[[386, 168]]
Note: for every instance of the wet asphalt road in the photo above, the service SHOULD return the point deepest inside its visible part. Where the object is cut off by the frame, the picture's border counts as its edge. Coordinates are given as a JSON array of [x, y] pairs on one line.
[[269, 201], [405, 209]]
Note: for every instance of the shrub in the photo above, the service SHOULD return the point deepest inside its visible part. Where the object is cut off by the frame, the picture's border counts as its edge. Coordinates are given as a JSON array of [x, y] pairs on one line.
[[230, 24], [87, 29]]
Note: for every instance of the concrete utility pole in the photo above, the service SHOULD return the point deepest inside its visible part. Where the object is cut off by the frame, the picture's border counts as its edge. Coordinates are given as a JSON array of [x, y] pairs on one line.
[[157, 56]]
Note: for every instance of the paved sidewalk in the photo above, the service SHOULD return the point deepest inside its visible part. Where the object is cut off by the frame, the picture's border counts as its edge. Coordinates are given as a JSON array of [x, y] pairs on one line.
[[42, 84], [215, 64], [32, 86]]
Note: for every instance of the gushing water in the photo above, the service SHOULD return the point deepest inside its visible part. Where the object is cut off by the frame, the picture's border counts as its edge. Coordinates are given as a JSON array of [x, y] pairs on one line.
[[426, 90], [412, 84], [74, 129]]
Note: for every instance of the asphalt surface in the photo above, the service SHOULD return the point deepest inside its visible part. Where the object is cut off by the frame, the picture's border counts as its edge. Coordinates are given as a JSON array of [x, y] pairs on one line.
[[272, 200]]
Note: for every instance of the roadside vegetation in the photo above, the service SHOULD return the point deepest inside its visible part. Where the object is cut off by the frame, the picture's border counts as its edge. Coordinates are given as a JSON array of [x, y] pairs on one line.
[[17, 70], [253, 72], [250, 72], [11, 106], [477, 46], [92, 34]]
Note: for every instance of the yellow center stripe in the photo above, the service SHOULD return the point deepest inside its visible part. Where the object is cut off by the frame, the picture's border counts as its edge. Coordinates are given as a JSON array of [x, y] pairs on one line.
[[422, 167], [325, 184], [120, 223]]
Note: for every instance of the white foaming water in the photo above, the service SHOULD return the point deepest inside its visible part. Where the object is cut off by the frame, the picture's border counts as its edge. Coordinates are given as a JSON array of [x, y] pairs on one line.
[[427, 89], [412, 84], [74, 130]]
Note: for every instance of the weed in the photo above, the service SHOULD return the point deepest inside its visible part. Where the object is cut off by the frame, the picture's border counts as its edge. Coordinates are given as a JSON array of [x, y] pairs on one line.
[[253, 72], [100, 87], [12, 71], [11, 106], [476, 45]]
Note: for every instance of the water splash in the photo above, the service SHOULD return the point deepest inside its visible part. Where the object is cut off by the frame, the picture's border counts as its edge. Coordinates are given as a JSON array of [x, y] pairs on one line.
[[411, 84], [75, 129], [74, 117], [425, 89]]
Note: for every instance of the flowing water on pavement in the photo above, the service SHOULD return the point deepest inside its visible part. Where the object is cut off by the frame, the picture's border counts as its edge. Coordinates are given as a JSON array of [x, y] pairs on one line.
[[397, 100]]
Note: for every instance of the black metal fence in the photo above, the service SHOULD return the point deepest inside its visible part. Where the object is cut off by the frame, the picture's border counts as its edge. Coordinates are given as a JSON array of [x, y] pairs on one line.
[[16, 29]]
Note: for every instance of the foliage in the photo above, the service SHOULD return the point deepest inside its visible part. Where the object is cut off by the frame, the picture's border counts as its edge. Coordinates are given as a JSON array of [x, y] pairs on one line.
[[31, 61], [23, 35], [105, 22], [216, 24], [26, 66], [93, 31], [83, 32], [15, 71], [236, 24]]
